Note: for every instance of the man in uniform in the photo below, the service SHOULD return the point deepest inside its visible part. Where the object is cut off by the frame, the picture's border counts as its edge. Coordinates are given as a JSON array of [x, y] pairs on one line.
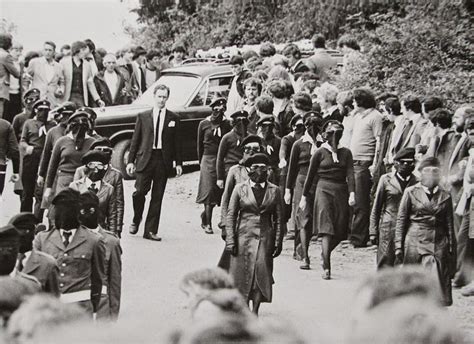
[[80, 253], [89, 215], [38, 264], [32, 143], [29, 99], [271, 144]]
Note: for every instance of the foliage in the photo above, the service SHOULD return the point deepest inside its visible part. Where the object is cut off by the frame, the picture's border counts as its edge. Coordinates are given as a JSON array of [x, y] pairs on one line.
[[426, 52], [7, 26]]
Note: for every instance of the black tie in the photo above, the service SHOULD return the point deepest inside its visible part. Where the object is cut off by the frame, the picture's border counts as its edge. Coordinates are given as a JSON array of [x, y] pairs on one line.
[[143, 81], [93, 188], [67, 236], [157, 129]]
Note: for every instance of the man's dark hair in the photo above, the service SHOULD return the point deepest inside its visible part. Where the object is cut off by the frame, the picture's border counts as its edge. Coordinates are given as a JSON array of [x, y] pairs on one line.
[[76, 47], [431, 103], [318, 41], [264, 104], [392, 105], [236, 60], [66, 46], [303, 101], [30, 56], [412, 103], [292, 50], [384, 96], [152, 54], [179, 49], [90, 45], [348, 41], [267, 49], [161, 87], [51, 43], [248, 54], [6, 41], [364, 98], [442, 117], [277, 89], [139, 51]]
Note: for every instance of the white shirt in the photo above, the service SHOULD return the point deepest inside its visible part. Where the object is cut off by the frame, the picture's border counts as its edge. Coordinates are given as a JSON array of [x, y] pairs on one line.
[[427, 191], [73, 231], [158, 112], [111, 79], [252, 184], [49, 70], [89, 182]]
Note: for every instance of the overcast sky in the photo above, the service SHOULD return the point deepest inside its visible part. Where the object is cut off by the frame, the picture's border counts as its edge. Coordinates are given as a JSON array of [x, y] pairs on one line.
[[69, 20]]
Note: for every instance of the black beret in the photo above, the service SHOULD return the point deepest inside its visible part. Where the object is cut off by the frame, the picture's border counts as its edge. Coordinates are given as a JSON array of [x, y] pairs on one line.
[[258, 158], [9, 237], [88, 199], [332, 125], [42, 104], [95, 155], [236, 60], [32, 93], [240, 113], [429, 162], [251, 139], [79, 113], [405, 154], [88, 110], [295, 119], [101, 142], [24, 222], [269, 119], [68, 108], [218, 102], [66, 197]]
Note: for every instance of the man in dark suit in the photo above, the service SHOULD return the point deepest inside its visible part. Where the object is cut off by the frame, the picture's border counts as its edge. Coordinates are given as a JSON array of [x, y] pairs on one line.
[[156, 144]]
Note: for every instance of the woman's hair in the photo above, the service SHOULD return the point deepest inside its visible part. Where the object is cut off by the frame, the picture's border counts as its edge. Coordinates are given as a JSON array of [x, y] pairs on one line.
[[328, 92], [267, 49], [253, 63], [248, 54], [277, 89], [210, 279], [76, 47], [253, 82], [393, 105], [279, 72], [364, 98], [442, 117], [345, 99], [292, 50], [303, 101], [264, 104]]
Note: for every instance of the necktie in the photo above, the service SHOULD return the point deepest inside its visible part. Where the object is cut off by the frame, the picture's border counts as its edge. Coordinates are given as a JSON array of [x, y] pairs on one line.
[[142, 80], [157, 130], [67, 236], [93, 188]]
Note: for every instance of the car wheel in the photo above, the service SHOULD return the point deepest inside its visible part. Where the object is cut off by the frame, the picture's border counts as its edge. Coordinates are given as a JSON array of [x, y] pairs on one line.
[[120, 158]]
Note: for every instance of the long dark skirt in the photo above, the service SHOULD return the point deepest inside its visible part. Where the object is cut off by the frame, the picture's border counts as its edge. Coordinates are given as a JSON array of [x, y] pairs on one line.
[[208, 192], [331, 210], [301, 218]]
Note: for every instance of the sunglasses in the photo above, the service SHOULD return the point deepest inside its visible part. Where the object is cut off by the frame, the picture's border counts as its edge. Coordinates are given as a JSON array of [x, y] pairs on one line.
[[30, 100], [248, 149], [104, 149], [406, 162], [96, 165], [259, 167]]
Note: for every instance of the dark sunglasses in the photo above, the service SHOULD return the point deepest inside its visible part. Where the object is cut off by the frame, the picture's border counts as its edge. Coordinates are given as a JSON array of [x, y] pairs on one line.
[[251, 149]]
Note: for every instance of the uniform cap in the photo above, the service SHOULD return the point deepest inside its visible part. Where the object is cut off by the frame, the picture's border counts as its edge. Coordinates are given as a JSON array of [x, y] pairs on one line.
[[266, 120], [251, 139], [42, 104], [24, 222], [95, 155], [68, 108], [66, 197], [295, 119], [240, 113], [90, 111], [218, 102], [258, 158], [78, 114], [405, 154], [32, 93]]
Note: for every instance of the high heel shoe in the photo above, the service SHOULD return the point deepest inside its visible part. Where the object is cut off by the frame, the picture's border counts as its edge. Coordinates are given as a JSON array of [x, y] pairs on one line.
[[326, 274]]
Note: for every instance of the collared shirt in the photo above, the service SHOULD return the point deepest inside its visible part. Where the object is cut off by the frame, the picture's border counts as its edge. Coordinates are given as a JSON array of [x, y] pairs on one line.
[[161, 113], [328, 112], [49, 69], [97, 184], [307, 138], [253, 184], [73, 232], [399, 176], [428, 192], [111, 79]]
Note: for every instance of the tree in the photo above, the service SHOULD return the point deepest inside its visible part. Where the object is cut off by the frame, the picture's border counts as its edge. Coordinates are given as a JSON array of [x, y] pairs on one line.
[[7, 26]]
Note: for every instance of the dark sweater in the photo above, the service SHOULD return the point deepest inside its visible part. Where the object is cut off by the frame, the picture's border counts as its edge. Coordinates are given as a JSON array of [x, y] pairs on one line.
[[207, 142], [299, 162], [65, 157], [53, 135], [18, 123], [229, 153], [323, 167], [31, 134], [286, 145], [272, 149], [8, 145]]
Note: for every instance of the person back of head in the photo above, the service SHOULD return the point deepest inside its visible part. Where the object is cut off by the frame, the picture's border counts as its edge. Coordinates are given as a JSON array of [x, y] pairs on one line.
[[392, 106], [441, 118], [267, 49], [277, 89], [319, 42], [278, 73], [264, 105], [364, 98], [6, 41], [411, 103], [209, 278], [221, 302]]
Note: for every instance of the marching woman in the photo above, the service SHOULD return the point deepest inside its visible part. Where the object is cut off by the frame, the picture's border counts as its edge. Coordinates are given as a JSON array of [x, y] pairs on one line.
[[254, 236], [210, 132], [424, 232], [297, 171], [332, 168]]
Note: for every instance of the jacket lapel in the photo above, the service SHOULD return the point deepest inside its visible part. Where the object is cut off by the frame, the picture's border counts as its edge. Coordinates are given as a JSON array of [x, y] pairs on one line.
[[78, 239], [457, 149], [56, 239], [250, 195], [32, 264], [394, 182], [102, 190]]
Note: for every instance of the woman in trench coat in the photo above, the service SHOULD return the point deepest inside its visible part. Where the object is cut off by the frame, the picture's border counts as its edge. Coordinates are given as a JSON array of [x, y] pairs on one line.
[[254, 234], [424, 233]]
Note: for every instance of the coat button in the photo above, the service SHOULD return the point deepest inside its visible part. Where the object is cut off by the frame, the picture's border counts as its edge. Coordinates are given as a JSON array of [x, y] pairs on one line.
[[63, 264], [65, 254], [62, 275], [61, 284]]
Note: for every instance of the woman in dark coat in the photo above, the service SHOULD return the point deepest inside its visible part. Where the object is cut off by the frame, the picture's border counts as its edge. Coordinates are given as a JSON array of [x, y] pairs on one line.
[[210, 132], [424, 232], [332, 167], [254, 234], [383, 217], [298, 167]]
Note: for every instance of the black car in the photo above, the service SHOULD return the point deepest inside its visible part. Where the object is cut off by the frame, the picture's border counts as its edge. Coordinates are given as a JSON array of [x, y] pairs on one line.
[[193, 86]]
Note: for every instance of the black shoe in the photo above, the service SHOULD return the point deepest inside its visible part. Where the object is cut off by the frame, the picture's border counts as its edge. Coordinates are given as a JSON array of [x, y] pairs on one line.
[[203, 216], [133, 229], [152, 237], [208, 229]]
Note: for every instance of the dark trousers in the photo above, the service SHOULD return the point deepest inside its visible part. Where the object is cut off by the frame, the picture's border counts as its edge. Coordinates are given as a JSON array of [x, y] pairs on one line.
[[2, 106], [360, 220], [154, 172], [12, 107], [28, 178], [3, 174]]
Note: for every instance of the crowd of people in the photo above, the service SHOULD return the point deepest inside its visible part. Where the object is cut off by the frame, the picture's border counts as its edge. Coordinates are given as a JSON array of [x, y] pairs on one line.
[[286, 155]]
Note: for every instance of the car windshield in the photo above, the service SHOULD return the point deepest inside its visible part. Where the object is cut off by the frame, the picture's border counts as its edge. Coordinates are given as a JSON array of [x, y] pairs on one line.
[[181, 88]]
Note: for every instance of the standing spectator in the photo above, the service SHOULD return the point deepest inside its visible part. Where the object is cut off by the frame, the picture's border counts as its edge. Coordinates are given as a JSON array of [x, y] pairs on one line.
[[92, 57], [253, 89], [32, 143], [8, 149], [424, 232], [153, 67], [79, 282], [66, 50], [263, 107], [35, 263], [348, 45], [29, 99], [236, 95], [293, 54], [96, 163], [179, 53], [110, 83], [156, 144], [267, 51], [14, 105], [428, 107], [326, 96], [365, 146], [78, 77], [47, 75], [282, 110], [333, 170], [89, 217], [230, 153], [210, 133], [113, 177], [383, 217], [254, 236], [126, 69], [138, 65], [408, 131], [320, 62], [7, 68], [345, 102]]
